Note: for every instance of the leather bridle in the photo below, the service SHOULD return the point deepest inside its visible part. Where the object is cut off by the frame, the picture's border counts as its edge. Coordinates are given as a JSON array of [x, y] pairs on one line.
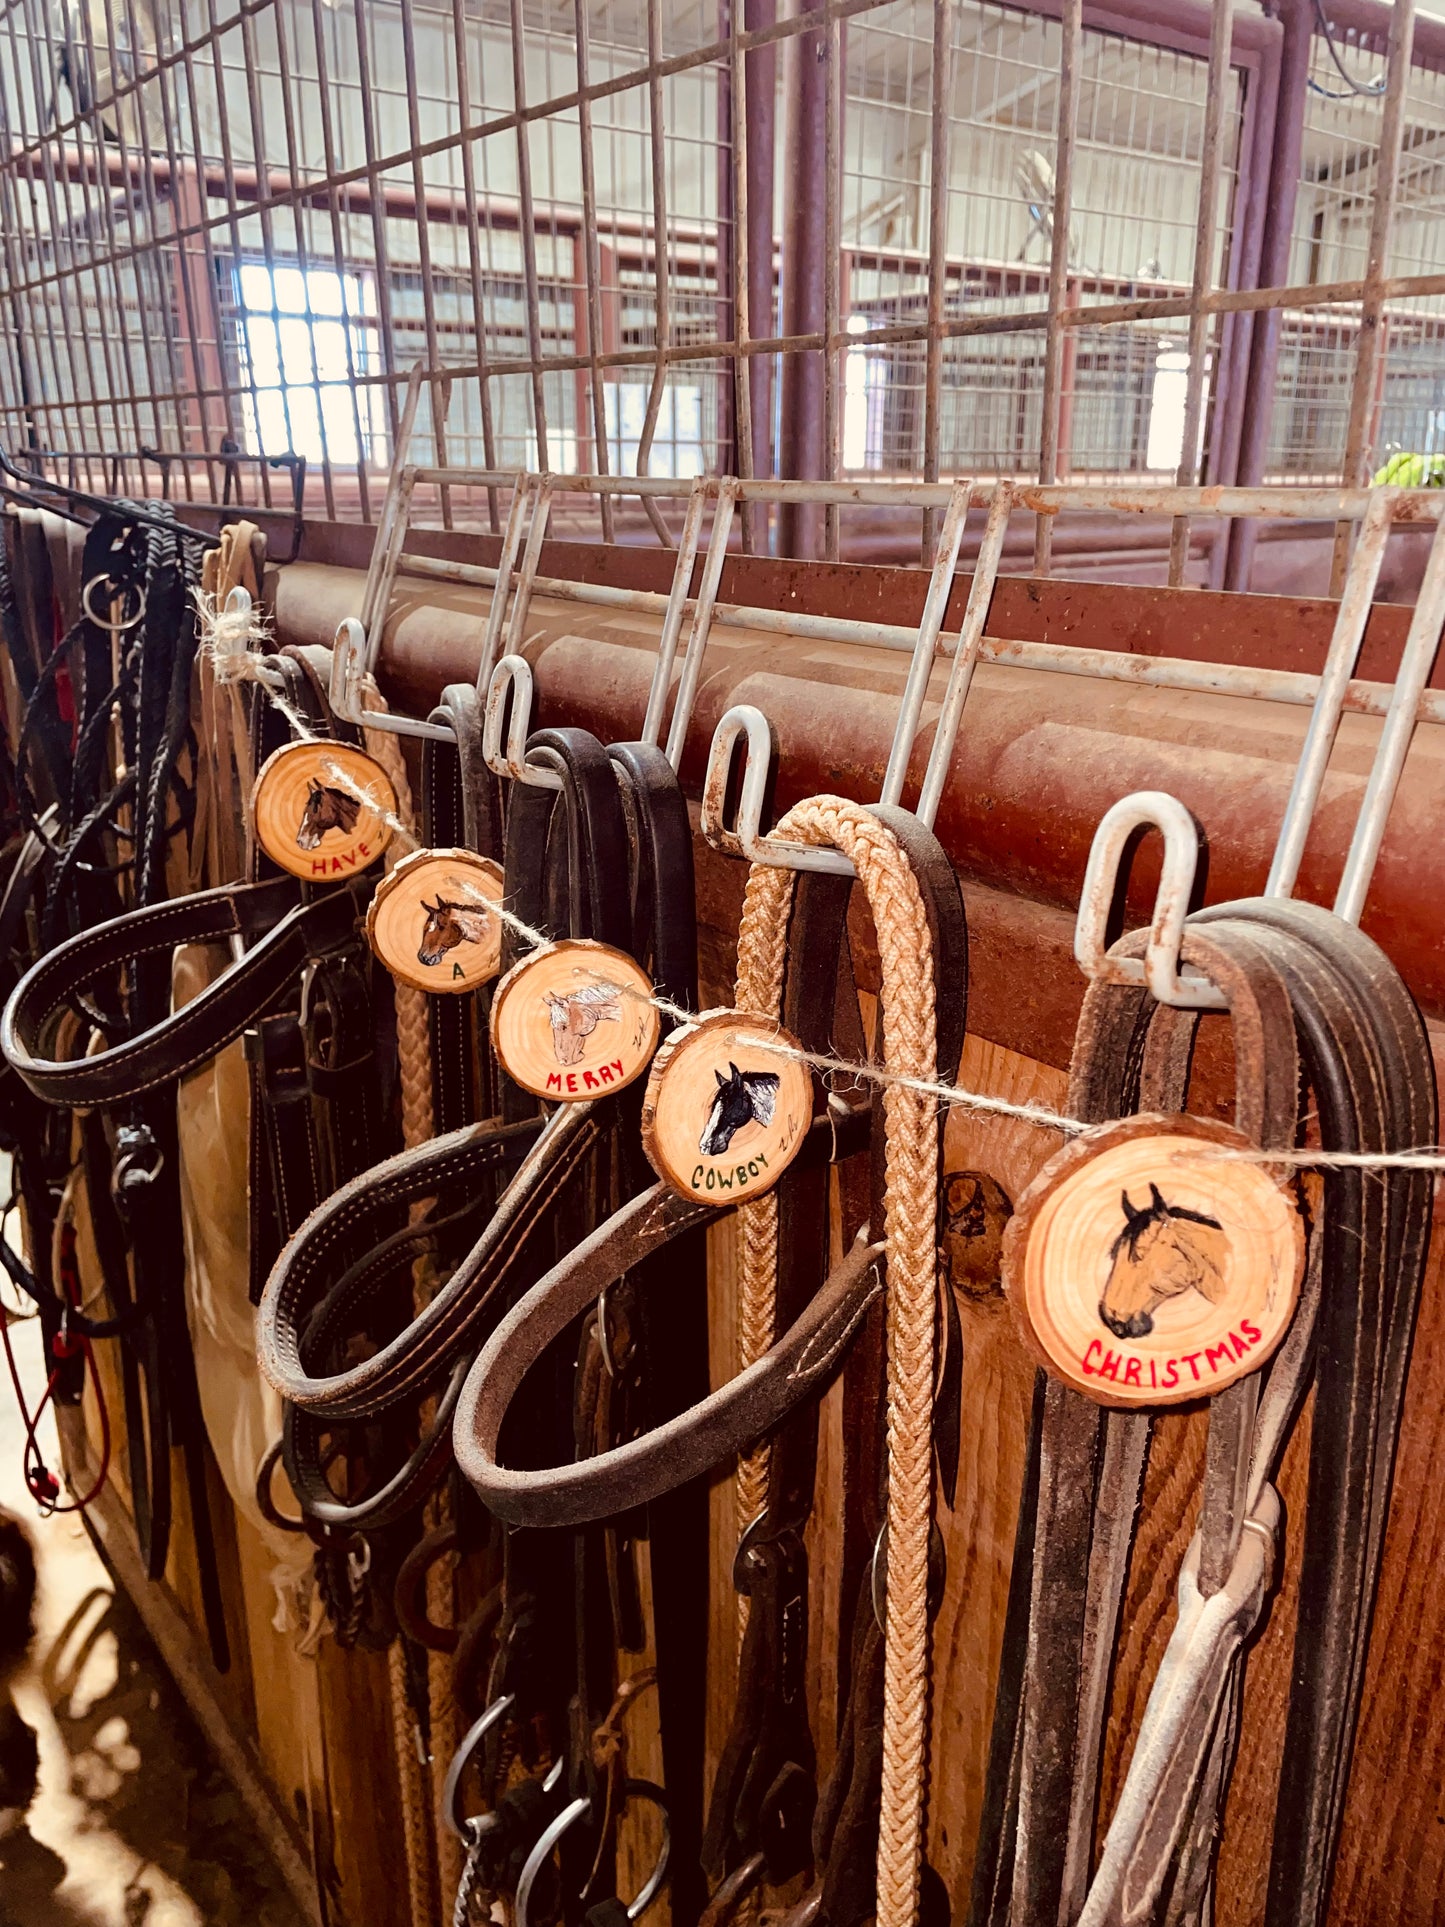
[[1303, 988], [489, 1204], [764, 1799]]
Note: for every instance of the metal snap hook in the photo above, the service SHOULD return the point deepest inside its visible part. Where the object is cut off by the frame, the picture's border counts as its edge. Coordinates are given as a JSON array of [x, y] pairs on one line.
[[138, 1162], [1159, 969], [512, 675], [745, 1547], [116, 628], [358, 1560]]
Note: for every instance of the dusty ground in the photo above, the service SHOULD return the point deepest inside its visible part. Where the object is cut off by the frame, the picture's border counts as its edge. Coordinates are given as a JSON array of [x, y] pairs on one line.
[[133, 1822]]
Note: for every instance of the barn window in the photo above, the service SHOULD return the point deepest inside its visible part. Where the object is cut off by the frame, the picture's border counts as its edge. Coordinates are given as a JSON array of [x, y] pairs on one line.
[[307, 342]]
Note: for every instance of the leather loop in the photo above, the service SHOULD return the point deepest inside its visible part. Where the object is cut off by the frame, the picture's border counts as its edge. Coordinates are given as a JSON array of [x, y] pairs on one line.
[[294, 932], [797, 1368]]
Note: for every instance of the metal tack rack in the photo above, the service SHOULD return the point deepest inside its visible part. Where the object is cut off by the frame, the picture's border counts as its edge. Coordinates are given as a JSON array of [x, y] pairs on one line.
[[1370, 514], [1408, 701]]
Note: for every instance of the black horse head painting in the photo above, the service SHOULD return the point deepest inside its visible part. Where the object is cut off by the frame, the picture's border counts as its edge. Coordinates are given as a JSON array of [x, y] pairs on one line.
[[447, 925], [326, 809], [743, 1097], [1163, 1250]]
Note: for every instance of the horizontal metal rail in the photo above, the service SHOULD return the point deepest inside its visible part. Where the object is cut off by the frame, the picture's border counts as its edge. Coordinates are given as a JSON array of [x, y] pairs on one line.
[[1291, 504], [1297, 687]]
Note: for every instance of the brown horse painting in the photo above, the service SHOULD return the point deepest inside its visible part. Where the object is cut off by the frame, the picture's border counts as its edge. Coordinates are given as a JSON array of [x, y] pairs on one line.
[[1163, 1250], [326, 809], [447, 925], [575, 1017]]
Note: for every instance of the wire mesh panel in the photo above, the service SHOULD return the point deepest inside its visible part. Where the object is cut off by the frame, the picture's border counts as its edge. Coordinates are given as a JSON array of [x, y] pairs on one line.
[[242, 224], [229, 228], [1135, 208], [1344, 116]]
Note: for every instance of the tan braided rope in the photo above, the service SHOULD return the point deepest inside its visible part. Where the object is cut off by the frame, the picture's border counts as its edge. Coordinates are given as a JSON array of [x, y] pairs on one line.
[[910, 1204], [446, 1724], [762, 953], [413, 1037], [438, 1851], [415, 1818]]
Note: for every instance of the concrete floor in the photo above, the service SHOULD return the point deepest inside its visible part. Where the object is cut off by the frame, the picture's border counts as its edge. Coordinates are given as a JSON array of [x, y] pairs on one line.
[[133, 1822]]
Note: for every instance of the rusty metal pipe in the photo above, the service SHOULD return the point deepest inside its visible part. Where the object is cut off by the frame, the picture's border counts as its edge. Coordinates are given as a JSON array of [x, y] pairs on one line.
[[1256, 406], [1034, 771], [1072, 27], [1293, 687], [801, 453], [1292, 504]]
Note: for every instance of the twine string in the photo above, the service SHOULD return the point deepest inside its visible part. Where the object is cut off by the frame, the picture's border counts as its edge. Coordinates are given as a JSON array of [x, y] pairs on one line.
[[1417, 1158]]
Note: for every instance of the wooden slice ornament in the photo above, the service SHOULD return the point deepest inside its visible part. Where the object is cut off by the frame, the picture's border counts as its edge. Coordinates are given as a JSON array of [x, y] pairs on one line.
[[314, 826], [1147, 1270], [575, 1020], [429, 922], [726, 1111]]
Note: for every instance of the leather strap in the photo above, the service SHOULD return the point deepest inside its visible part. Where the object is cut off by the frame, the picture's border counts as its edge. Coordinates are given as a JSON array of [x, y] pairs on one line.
[[799, 1367], [289, 934], [1288, 969]]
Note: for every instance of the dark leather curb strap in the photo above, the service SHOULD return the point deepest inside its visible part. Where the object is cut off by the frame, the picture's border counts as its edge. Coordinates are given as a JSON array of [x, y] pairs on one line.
[[1291, 972]]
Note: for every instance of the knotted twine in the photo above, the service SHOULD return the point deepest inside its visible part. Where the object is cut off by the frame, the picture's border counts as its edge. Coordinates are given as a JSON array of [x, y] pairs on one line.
[[905, 953]]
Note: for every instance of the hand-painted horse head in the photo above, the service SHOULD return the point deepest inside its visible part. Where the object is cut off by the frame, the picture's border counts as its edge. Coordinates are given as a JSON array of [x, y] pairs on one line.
[[1163, 1250], [447, 925], [743, 1097], [326, 809], [575, 1017]]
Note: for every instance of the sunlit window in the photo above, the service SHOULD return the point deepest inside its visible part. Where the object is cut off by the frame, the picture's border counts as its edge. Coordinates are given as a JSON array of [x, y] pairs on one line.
[[677, 448], [1166, 411], [861, 399], [306, 340]]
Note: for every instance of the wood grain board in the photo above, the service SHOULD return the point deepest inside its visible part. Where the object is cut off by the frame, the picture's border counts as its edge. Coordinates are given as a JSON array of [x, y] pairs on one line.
[[725, 1112], [308, 817], [430, 922], [575, 1020], [1146, 1271]]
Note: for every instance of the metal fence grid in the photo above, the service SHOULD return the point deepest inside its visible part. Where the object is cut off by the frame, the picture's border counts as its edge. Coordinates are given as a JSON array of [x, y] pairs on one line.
[[1343, 130], [879, 237]]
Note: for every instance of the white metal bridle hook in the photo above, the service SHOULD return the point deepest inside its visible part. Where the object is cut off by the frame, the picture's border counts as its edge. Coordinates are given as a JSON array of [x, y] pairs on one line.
[[512, 677], [747, 840], [1159, 970], [531, 506], [348, 668]]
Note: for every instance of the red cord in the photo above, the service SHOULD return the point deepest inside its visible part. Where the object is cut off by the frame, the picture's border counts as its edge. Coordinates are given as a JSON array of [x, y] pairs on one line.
[[41, 1483]]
